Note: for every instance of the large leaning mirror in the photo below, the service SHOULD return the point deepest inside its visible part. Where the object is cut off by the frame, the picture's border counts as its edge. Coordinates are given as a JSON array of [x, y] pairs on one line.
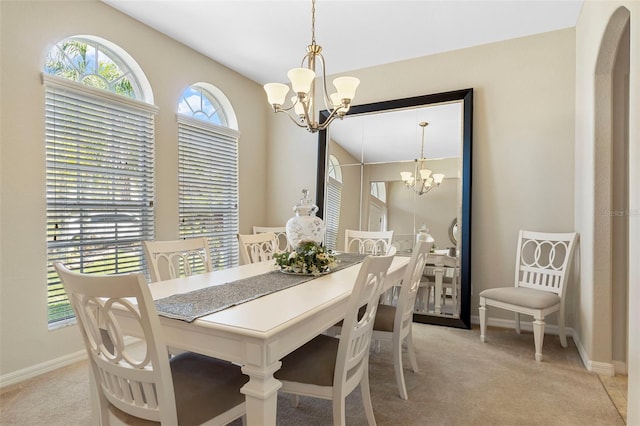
[[370, 170]]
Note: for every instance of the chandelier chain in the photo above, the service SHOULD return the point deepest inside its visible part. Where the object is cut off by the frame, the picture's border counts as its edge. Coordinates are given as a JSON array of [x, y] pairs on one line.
[[313, 22]]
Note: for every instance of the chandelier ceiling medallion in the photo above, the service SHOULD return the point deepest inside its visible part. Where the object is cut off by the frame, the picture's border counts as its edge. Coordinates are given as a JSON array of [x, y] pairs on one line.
[[303, 105], [421, 181]]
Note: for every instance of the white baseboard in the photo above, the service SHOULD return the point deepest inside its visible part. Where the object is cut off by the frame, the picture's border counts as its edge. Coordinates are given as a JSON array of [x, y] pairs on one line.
[[42, 368], [620, 367], [54, 364], [604, 368]]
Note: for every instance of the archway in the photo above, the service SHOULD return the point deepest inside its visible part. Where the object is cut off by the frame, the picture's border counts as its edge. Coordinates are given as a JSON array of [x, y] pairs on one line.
[[611, 192]]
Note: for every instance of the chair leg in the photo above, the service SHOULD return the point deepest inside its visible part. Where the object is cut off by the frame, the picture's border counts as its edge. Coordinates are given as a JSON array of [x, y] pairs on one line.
[[517, 323], [295, 400], [397, 366], [339, 417], [411, 352], [538, 336], [483, 318], [561, 331], [366, 397]]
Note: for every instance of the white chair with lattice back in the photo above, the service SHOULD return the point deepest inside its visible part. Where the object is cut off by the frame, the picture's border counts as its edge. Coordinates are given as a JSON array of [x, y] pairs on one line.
[[172, 259], [188, 389], [281, 234], [543, 262], [367, 242], [394, 323], [257, 247], [331, 368]]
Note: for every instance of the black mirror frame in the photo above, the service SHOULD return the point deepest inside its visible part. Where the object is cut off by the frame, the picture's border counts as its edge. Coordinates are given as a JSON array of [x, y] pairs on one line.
[[465, 95]]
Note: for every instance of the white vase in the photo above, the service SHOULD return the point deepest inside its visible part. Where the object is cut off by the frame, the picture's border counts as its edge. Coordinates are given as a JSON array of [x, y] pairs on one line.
[[305, 225]]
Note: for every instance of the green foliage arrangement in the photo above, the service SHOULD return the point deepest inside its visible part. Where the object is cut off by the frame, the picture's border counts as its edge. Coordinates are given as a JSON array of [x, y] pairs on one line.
[[309, 257]]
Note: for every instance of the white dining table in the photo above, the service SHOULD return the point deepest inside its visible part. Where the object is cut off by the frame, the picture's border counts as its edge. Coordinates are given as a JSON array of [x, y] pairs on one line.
[[257, 334]]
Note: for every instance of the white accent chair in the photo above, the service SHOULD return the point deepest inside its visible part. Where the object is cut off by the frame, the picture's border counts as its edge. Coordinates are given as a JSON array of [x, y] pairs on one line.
[[257, 247], [543, 262], [172, 259], [394, 323], [331, 368], [367, 242], [188, 389], [281, 234]]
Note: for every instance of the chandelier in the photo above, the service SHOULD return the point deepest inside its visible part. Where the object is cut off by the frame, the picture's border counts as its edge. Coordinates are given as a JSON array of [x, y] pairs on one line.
[[303, 104], [421, 181]]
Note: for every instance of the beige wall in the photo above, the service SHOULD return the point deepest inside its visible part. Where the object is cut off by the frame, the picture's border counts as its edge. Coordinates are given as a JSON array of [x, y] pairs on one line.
[[594, 322], [523, 125], [28, 30]]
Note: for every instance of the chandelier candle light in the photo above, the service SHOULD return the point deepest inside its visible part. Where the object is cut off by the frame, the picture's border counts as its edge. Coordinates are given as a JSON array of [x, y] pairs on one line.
[[422, 181], [303, 105]]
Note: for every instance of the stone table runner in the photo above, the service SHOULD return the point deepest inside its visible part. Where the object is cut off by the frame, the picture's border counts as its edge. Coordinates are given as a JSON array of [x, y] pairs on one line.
[[198, 303]]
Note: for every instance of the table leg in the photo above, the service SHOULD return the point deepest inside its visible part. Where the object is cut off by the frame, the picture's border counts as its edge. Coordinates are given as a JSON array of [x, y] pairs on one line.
[[261, 393], [439, 273]]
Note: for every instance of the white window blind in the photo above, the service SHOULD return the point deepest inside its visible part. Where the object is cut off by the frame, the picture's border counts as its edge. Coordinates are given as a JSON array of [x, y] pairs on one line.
[[332, 215], [99, 180], [208, 187]]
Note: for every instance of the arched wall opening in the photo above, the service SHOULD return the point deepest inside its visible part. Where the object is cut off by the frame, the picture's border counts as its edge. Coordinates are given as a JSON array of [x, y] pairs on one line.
[[611, 193]]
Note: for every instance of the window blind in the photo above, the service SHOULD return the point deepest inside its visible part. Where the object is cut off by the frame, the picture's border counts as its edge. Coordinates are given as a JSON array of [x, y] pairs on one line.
[[208, 187], [332, 215], [99, 184]]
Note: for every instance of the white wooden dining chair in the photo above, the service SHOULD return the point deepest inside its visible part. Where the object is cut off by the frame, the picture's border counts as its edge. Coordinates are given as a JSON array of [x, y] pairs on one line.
[[367, 242], [331, 368], [543, 262], [188, 389], [281, 234], [257, 247], [394, 323], [449, 273], [172, 259]]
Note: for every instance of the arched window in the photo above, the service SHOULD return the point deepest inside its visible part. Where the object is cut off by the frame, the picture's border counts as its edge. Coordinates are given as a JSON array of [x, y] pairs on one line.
[[334, 199], [99, 121], [198, 103], [208, 171], [379, 191]]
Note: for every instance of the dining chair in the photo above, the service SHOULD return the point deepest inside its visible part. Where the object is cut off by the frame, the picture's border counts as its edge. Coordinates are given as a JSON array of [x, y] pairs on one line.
[[188, 389], [281, 234], [543, 262], [257, 247], [367, 242], [331, 368], [172, 259], [450, 276], [394, 323]]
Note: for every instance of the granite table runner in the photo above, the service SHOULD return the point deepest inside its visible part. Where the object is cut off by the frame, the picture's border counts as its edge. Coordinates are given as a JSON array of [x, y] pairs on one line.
[[198, 303]]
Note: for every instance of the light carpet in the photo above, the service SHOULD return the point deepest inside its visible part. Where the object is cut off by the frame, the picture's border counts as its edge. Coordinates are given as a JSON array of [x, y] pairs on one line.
[[461, 382]]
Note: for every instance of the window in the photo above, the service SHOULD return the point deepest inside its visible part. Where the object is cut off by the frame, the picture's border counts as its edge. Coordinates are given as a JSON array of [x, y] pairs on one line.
[[208, 172], [379, 191], [99, 156], [334, 199]]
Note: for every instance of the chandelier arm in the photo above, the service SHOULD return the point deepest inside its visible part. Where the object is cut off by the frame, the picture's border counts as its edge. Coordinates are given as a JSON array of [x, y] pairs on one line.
[[294, 118], [330, 118], [325, 93]]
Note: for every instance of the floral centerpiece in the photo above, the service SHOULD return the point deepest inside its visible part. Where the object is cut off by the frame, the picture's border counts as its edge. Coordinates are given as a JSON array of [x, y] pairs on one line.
[[309, 257]]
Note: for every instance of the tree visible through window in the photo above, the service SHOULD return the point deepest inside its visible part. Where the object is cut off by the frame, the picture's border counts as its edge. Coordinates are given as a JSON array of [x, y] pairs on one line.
[[99, 149], [208, 172]]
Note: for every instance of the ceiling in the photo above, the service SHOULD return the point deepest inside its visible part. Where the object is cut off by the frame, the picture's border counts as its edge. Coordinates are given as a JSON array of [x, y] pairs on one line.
[[263, 39]]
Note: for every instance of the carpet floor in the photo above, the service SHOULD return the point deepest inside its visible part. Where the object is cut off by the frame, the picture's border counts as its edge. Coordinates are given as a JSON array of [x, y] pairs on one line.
[[461, 382]]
